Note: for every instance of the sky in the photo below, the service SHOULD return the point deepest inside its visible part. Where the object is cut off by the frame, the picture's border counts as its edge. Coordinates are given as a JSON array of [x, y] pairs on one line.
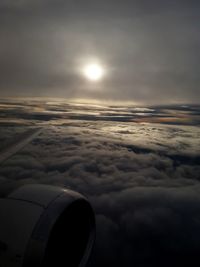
[[148, 49]]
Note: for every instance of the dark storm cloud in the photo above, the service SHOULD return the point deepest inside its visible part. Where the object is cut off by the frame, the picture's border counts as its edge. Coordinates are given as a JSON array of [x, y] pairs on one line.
[[150, 48]]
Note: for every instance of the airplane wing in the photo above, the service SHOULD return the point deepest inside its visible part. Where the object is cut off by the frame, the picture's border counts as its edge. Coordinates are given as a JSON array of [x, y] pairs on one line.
[[18, 143]]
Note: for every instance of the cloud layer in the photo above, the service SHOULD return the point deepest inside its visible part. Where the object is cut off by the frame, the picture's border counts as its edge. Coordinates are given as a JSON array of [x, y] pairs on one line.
[[141, 178]]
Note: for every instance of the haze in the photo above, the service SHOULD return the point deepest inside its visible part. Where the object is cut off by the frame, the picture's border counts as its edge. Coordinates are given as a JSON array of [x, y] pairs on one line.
[[150, 49]]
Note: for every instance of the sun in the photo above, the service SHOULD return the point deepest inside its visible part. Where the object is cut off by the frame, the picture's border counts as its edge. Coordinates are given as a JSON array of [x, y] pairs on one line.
[[93, 72]]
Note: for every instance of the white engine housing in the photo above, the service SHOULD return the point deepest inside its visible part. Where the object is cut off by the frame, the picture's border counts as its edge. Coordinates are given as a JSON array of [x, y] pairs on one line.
[[45, 226]]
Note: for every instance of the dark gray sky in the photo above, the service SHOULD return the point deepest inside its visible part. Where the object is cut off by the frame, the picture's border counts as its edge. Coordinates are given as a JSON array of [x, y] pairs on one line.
[[150, 49]]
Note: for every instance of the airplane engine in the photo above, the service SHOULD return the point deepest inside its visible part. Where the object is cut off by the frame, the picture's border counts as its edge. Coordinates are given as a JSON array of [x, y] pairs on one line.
[[45, 226]]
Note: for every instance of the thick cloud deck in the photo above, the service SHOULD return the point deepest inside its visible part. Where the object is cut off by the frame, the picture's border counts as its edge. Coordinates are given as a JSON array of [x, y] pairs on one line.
[[142, 178]]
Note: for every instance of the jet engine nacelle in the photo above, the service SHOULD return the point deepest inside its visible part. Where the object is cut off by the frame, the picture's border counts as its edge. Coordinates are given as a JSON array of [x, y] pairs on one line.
[[45, 226]]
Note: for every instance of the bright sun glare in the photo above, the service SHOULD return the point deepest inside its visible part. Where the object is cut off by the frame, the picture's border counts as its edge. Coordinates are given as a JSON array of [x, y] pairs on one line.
[[93, 72]]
